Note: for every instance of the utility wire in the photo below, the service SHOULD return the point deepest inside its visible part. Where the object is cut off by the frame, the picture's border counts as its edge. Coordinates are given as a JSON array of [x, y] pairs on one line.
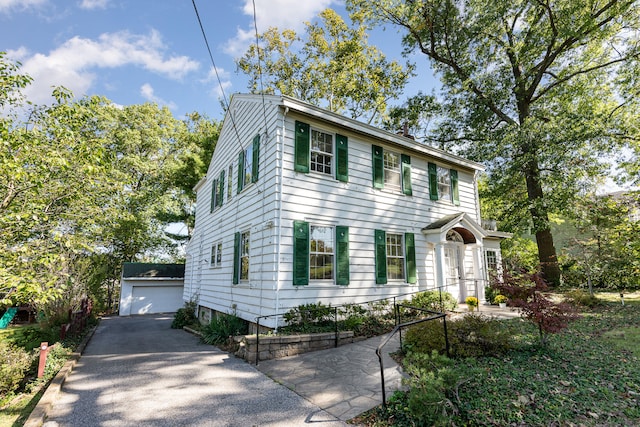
[[224, 97], [255, 25]]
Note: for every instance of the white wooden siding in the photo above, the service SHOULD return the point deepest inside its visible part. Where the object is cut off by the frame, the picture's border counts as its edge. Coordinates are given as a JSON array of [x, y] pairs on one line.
[[312, 197]]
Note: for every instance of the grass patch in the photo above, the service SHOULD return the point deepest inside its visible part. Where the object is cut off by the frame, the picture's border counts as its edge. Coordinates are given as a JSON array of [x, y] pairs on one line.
[[586, 375]]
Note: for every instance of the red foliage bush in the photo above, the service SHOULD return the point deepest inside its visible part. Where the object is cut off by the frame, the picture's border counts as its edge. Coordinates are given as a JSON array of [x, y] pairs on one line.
[[526, 291]]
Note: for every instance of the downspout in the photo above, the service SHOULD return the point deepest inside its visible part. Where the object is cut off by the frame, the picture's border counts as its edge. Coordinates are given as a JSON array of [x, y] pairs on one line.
[[279, 163]]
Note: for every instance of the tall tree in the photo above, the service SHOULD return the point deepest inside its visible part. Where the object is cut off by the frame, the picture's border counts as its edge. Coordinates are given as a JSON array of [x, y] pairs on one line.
[[540, 90], [333, 64]]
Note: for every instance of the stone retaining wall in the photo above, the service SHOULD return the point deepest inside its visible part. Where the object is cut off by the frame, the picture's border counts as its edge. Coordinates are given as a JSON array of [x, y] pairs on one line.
[[272, 347]]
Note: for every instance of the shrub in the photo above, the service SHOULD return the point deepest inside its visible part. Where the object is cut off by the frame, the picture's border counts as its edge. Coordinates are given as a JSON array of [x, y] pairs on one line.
[[309, 317], [473, 335], [222, 327], [580, 297], [14, 363], [526, 291], [430, 300], [185, 315], [490, 294], [432, 378]]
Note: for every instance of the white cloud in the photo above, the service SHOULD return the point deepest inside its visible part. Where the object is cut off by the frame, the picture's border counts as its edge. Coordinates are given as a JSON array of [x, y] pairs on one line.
[[72, 63], [94, 4], [7, 6], [284, 14], [147, 92]]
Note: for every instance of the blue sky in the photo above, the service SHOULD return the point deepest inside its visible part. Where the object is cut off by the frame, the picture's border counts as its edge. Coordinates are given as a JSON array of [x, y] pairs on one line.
[[134, 51]]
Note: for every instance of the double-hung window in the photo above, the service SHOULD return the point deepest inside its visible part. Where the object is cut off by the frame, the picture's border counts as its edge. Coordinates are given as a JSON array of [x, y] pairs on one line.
[[492, 261], [241, 253], [216, 255], [321, 152], [320, 253], [395, 257], [248, 164], [217, 191], [443, 184], [391, 170]]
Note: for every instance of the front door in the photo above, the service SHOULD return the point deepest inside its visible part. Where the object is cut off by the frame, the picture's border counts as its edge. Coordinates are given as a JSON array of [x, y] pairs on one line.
[[454, 275]]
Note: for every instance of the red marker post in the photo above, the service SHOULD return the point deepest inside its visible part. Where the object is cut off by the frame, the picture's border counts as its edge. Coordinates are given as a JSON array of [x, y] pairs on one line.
[[44, 349]]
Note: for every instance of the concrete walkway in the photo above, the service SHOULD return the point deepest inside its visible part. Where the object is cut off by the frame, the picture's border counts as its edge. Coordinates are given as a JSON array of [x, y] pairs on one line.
[[346, 381]]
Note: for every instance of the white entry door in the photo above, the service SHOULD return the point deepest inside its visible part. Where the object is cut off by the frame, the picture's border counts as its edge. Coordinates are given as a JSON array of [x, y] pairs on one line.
[[454, 275]]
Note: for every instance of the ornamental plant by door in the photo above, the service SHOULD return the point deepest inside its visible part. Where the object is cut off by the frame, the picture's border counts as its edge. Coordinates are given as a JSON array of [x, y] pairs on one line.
[[472, 303]]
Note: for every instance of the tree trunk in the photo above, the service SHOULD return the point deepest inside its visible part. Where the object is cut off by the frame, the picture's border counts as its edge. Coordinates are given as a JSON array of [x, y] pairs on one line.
[[540, 218]]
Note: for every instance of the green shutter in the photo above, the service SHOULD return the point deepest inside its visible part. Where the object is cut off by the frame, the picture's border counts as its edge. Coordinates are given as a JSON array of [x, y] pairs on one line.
[[381, 257], [214, 190], [300, 253], [406, 175], [236, 259], [410, 257], [220, 189], [256, 157], [342, 255], [378, 167], [240, 171], [342, 158], [303, 137], [455, 193], [433, 181]]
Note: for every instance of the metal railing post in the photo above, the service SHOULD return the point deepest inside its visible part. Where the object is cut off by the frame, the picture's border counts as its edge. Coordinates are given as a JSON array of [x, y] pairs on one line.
[[257, 340], [335, 319]]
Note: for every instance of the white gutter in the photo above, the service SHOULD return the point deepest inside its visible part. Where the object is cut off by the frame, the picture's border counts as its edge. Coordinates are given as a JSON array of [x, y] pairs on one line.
[[279, 166]]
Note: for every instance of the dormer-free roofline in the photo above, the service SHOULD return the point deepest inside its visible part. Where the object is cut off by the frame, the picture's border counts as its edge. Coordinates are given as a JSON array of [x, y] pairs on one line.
[[306, 109]]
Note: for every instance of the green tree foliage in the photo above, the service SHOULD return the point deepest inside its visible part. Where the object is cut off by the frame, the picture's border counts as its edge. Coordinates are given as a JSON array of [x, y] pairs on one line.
[[83, 186], [332, 63], [541, 91], [605, 251]]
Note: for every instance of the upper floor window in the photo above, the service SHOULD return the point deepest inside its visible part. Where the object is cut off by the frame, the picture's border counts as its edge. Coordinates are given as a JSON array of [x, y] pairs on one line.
[[391, 170], [443, 184], [217, 191], [320, 253], [248, 164], [395, 257], [230, 183], [321, 152]]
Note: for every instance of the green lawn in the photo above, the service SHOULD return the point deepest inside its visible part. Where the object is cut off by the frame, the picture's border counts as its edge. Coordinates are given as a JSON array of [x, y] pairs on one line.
[[587, 375]]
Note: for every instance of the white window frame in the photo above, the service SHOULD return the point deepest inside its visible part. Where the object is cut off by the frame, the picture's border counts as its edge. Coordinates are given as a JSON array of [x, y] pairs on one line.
[[245, 254], [248, 166], [314, 166], [444, 184], [216, 255], [328, 234], [392, 166], [395, 254]]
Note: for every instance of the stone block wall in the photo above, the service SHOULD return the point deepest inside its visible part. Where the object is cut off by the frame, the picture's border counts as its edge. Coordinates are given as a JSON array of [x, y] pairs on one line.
[[273, 347]]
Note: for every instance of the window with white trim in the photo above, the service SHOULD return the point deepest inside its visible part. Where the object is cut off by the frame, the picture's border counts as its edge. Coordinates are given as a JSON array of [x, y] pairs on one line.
[[491, 258], [395, 257], [321, 152], [244, 255], [321, 253], [444, 184], [392, 177], [216, 255]]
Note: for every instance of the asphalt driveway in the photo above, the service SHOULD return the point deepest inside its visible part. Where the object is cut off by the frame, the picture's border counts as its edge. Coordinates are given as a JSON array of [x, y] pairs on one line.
[[137, 371]]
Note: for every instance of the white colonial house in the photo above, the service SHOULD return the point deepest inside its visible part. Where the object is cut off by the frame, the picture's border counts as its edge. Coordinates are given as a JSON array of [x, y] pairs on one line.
[[301, 205]]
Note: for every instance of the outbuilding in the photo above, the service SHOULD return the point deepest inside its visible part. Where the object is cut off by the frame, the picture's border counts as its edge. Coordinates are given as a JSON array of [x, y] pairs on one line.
[[151, 288]]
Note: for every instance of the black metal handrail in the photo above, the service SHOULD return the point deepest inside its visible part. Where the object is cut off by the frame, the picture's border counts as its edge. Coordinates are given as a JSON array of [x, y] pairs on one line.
[[393, 298], [399, 326]]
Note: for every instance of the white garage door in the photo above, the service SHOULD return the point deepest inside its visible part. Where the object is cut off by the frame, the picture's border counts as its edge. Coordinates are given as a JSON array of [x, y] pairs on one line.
[[156, 299]]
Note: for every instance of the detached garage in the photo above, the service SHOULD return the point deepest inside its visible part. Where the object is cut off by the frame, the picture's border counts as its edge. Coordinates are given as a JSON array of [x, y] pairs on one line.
[[151, 288]]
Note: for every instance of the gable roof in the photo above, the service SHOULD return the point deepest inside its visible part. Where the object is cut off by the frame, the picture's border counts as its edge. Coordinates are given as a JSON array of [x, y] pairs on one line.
[[148, 270], [292, 104]]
